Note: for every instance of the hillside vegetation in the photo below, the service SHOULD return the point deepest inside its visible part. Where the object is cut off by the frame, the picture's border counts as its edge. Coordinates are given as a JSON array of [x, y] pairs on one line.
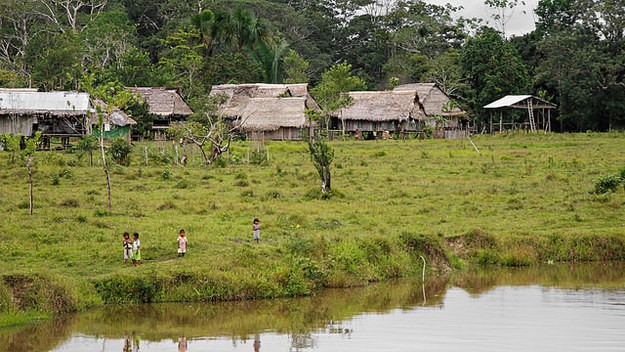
[[526, 199]]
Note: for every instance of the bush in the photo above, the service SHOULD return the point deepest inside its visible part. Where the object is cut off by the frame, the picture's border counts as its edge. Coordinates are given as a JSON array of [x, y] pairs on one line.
[[607, 183], [120, 151]]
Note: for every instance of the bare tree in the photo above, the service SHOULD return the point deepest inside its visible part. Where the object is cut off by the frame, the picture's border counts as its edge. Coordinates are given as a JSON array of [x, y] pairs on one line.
[[66, 12], [216, 136]]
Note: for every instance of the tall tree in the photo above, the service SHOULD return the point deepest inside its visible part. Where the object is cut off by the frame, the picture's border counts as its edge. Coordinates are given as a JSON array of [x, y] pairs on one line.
[[493, 69]]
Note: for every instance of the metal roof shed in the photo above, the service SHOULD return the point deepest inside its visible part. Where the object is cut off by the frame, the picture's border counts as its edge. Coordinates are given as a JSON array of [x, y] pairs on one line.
[[525, 102]]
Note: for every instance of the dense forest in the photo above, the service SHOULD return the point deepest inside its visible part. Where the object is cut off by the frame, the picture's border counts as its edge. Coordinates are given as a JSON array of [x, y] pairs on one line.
[[575, 57]]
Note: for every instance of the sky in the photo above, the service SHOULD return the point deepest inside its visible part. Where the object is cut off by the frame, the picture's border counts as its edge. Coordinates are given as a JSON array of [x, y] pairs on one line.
[[521, 21]]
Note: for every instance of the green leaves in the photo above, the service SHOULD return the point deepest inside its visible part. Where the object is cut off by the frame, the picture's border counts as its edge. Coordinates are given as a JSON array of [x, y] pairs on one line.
[[335, 83]]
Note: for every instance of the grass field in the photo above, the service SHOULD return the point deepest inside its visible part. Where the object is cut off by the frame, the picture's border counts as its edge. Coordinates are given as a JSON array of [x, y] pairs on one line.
[[524, 199]]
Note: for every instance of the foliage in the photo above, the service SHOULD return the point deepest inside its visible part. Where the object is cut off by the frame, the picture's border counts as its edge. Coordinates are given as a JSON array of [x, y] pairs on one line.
[[295, 68], [336, 82], [493, 68], [11, 143], [322, 156], [87, 145], [120, 150]]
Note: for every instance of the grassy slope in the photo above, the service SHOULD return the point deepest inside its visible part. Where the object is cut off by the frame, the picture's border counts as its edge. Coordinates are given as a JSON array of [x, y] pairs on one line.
[[520, 186]]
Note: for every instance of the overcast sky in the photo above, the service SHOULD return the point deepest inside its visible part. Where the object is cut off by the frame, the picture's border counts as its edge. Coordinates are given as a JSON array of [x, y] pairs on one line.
[[521, 21]]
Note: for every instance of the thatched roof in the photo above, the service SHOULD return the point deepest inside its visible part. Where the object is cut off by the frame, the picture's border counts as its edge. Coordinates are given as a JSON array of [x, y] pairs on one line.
[[239, 95], [28, 102], [381, 106], [269, 114], [117, 117], [433, 101], [163, 101]]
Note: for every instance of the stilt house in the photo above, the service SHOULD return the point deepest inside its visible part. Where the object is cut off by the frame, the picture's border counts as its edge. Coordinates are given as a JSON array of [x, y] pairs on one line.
[[166, 105], [267, 111], [406, 109], [55, 114]]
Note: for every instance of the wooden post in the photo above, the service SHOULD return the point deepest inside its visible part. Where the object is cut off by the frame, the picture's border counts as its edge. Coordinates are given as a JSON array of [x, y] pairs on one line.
[[146, 156]]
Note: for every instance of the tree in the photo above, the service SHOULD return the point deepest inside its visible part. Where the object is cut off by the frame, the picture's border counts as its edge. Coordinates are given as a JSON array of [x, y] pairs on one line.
[[321, 155], [11, 143], [295, 68], [503, 10], [120, 150], [208, 130], [493, 69], [332, 92], [87, 145], [29, 153]]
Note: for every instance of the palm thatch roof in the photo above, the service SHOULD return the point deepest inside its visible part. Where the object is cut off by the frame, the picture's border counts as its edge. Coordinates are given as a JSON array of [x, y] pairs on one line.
[[270, 114], [239, 95], [381, 106], [29, 102], [433, 101], [163, 101]]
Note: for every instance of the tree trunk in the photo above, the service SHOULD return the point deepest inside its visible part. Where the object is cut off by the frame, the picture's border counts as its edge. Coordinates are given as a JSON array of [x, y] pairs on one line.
[[30, 183], [106, 169]]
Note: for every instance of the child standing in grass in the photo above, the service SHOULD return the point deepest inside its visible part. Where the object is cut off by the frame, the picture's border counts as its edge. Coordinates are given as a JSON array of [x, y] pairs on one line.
[[136, 248], [127, 247], [182, 244], [256, 230]]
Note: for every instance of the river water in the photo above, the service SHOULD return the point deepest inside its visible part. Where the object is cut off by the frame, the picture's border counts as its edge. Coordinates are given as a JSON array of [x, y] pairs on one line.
[[560, 307]]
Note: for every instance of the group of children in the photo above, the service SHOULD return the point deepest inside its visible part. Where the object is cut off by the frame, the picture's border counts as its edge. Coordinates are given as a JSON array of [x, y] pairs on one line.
[[132, 248]]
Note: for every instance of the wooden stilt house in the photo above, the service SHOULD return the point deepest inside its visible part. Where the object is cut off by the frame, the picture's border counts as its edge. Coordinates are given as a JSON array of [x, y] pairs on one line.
[[267, 111]]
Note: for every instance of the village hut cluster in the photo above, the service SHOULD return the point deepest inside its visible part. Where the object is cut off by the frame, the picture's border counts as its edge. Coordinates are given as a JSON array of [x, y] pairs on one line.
[[263, 112]]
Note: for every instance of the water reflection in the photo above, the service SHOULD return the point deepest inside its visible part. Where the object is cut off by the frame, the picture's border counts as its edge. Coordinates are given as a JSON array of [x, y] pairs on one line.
[[332, 314]]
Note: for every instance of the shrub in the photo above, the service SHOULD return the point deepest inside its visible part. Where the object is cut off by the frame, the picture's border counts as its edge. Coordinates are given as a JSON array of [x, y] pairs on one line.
[[258, 157], [120, 151], [607, 183], [166, 174]]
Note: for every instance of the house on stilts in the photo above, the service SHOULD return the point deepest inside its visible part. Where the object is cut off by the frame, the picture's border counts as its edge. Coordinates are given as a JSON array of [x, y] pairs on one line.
[[62, 115], [267, 111], [409, 108], [165, 105]]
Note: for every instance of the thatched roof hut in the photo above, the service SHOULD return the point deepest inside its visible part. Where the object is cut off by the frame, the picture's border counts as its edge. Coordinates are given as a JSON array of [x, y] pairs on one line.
[[381, 106], [53, 113], [163, 101], [433, 101], [165, 104], [392, 111], [267, 111], [269, 114]]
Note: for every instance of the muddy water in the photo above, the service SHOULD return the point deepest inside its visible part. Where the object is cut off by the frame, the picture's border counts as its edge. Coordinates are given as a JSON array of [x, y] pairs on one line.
[[554, 308]]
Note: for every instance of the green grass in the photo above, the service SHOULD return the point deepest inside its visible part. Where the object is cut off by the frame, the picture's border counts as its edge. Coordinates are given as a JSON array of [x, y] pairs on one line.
[[529, 195]]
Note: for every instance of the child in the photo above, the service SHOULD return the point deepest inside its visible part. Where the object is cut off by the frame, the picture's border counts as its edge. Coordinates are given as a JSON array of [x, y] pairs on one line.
[[136, 248], [182, 244], [256, 229], [127, 247]]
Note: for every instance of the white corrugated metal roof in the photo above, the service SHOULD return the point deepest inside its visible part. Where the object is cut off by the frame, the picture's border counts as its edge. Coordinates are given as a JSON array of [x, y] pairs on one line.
[[16, 101], [506, 101]]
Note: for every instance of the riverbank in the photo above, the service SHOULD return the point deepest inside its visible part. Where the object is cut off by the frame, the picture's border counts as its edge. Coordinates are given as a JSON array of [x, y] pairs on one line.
[[525, 199]]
